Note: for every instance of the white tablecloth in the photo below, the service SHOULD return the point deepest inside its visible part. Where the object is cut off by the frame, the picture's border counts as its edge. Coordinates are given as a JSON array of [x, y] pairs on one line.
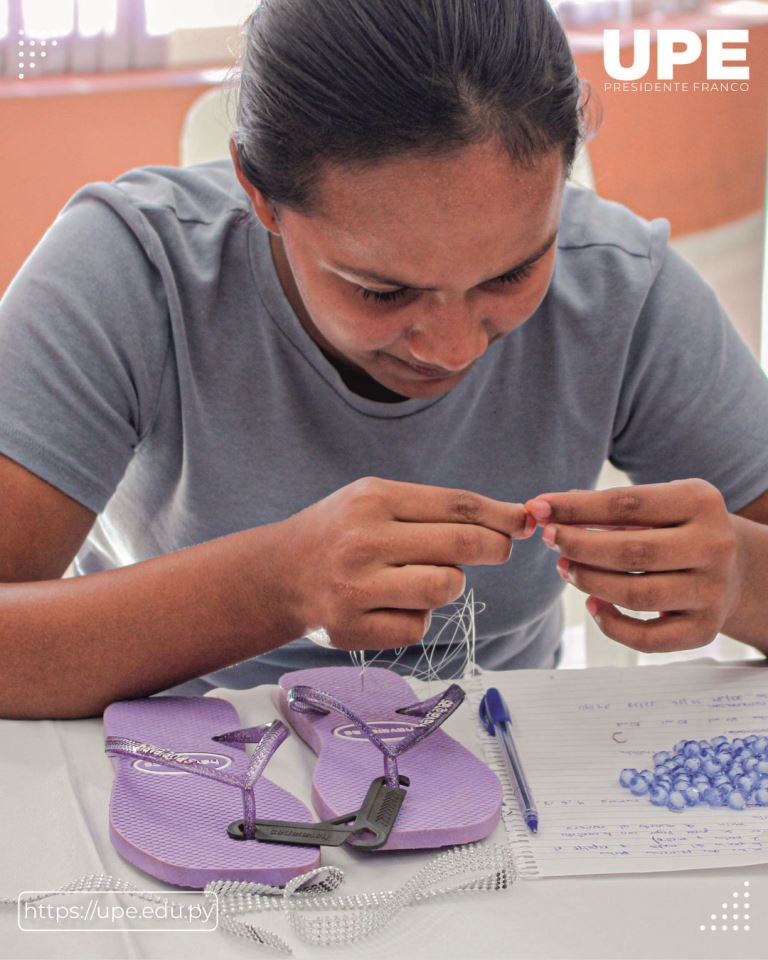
[[56, 782]]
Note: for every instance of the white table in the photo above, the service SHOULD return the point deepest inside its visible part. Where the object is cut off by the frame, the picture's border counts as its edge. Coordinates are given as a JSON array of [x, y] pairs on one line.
[[56, 782]]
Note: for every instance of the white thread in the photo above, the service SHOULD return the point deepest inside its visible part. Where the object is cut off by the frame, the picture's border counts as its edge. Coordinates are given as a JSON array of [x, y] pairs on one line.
[[434, 661]]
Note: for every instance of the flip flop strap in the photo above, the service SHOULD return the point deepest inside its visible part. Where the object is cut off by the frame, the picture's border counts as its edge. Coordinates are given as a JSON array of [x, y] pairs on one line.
[[268, 738], [306, 699]]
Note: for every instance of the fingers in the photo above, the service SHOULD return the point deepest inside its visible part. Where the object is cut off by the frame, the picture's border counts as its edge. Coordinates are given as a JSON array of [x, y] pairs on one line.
[[664, 634], [449, 543], [663, 592], [647, 550], [422, 503], [652, 504], [382, 630], [409, 588]]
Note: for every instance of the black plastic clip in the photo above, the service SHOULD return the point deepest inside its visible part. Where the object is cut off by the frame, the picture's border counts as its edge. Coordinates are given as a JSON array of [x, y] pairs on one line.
[[367, 828]]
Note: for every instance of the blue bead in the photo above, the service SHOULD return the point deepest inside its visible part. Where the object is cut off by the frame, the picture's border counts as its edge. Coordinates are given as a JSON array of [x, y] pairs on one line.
[[736, 801], [762, 766], [712, 797], [692, 765], [716, 741], [762, 783], [712, 767], [658, 796], [676, 801], [639, 786], [744, 785], [692, 796], [661, 757], [760, 746], [761, 797], [751, 763], [627, 775]]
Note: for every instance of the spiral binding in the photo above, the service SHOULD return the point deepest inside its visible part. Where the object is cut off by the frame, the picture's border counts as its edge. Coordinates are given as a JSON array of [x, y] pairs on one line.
[[517, 832]]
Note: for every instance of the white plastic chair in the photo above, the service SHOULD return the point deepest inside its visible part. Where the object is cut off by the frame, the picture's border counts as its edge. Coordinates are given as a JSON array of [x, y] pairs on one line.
[[207, 128]]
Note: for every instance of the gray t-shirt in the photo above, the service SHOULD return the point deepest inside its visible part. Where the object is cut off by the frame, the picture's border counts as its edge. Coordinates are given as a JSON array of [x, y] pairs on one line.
[[152, 368]]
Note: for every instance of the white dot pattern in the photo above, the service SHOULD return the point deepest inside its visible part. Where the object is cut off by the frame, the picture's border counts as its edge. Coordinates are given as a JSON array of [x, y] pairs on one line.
[[734, 916]]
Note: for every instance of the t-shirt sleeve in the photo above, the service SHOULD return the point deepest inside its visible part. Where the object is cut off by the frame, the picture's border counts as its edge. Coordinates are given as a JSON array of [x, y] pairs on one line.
[[694, 401], [83, 337]]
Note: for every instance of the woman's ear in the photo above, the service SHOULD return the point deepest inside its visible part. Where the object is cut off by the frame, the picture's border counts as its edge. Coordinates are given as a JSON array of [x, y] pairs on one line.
[[262, 207]]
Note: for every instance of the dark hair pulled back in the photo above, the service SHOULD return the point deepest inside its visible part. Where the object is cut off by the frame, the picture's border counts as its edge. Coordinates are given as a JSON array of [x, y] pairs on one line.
[[355, 82]]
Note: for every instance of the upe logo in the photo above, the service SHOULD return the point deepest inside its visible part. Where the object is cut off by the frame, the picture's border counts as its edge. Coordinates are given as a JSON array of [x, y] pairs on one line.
[[677, 48], [215, 761]]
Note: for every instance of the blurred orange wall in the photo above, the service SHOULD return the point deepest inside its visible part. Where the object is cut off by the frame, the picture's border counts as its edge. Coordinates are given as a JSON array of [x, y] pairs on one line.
[[696, 158]]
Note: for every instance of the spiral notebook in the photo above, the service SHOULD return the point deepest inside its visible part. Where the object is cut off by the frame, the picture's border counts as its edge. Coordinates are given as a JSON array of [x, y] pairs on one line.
[[577, 729]]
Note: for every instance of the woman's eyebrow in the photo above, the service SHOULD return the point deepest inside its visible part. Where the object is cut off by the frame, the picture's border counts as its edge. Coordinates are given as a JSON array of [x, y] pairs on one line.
[[389, 281]]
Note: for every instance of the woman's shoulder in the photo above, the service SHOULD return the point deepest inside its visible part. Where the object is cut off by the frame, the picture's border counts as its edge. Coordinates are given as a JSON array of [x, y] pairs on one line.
[[591, 221], [201, 192]]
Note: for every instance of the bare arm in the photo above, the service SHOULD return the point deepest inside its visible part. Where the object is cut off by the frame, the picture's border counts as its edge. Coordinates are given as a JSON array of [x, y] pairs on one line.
[[369, 562], [70, 647]]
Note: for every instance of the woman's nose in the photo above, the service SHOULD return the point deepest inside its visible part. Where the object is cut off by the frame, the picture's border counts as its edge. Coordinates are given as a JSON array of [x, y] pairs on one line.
[[451, 339]]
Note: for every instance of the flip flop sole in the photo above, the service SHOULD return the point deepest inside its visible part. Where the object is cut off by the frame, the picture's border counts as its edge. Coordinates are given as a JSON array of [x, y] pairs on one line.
[[173, 825], [453, 797]]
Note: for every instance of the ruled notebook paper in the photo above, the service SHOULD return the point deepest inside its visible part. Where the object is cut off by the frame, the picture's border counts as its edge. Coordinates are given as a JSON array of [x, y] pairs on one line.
[[577, 729]]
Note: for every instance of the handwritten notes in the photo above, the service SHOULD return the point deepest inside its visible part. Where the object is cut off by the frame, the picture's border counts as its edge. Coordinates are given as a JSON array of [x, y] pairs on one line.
[[577, 729]]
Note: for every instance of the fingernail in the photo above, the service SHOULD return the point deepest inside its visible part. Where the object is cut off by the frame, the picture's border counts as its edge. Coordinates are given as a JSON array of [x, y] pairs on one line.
[[548, 536], [563, 568], [530, 525], [540, 509], [592, 606]]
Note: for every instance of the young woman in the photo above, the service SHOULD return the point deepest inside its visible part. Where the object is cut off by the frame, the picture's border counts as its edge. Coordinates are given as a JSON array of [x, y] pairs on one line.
[[330, 383]]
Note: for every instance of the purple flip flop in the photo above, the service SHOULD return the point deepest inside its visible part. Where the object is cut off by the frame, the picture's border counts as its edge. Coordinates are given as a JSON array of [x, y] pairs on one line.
[[176, 761], [363, 728]]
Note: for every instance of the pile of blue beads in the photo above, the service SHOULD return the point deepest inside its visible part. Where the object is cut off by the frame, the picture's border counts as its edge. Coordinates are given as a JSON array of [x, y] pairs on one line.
[[717, 772]]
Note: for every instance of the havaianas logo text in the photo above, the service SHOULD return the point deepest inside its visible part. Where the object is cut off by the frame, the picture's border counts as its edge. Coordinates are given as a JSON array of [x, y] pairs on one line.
[[386, 730], [391, 729], [216, 761], [436, 712]]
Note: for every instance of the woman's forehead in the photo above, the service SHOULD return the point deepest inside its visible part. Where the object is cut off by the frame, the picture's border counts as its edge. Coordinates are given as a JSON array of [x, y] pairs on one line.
[[474, 204]]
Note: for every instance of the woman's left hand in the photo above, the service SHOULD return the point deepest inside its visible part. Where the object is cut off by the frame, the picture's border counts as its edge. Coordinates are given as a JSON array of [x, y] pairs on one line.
[[677, 536]]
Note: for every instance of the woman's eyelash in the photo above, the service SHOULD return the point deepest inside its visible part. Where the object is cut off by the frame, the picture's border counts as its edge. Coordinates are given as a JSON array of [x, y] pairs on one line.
[[514, 276], [382, 297], [379, 296]]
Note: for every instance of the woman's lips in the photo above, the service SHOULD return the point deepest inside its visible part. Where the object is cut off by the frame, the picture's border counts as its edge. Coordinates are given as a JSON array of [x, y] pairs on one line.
[[429, 373]]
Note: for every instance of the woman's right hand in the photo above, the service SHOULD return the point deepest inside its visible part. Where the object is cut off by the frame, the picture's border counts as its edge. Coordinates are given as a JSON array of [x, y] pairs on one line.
[[371, 561]]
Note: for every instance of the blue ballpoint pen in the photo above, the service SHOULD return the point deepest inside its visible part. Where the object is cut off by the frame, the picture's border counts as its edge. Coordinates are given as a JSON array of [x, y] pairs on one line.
[[496, 720]]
